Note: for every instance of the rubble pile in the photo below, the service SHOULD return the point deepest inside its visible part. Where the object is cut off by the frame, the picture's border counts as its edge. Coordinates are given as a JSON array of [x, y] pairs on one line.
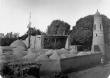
[[18, 43], [49, 59], [18, 50]]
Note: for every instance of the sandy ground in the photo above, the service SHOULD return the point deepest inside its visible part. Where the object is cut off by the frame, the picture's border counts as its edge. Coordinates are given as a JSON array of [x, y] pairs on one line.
[[100, 71], [95, 72]]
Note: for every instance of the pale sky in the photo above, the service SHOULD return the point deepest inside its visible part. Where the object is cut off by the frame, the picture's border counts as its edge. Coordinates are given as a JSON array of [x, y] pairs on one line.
[[14, 14]]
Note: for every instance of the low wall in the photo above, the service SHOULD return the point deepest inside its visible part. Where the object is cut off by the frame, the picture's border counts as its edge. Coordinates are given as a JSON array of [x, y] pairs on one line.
[[79, 62], [49, 67], [69, 65]]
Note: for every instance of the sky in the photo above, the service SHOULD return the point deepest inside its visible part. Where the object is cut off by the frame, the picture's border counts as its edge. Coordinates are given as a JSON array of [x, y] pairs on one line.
[[14, 14]]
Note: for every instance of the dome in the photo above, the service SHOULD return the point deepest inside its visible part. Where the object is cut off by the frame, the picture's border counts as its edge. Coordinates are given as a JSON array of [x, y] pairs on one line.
[[18, 43]]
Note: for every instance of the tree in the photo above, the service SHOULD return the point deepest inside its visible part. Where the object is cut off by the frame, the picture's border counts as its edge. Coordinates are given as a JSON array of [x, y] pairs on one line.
[[12, 35], [7, 41], [82, 33], [9, 38], [33, 32], [106, 28], [58, 27]]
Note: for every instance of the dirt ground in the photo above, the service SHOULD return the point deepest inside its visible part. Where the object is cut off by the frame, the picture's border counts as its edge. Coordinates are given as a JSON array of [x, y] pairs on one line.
[[101, 71]]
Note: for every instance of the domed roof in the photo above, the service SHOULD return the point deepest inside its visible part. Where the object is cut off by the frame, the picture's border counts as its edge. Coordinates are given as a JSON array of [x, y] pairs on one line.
[[18, 43]]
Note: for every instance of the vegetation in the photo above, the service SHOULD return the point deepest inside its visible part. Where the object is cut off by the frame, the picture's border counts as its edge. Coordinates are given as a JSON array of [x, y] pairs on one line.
[[8, 39], [58, 27], [106, 27], [81, 33], [32, 31], [57, 42]]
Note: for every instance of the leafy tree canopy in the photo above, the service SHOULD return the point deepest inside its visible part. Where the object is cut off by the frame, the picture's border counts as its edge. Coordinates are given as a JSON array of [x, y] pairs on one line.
[[58, 27], [33, 32], [82, 33]]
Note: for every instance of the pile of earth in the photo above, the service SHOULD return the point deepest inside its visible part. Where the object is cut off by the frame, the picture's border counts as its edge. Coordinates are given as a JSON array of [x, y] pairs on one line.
[[18, 50]]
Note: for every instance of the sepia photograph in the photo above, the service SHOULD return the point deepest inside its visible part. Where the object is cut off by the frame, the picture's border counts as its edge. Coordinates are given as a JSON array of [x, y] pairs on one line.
[[54, 38]]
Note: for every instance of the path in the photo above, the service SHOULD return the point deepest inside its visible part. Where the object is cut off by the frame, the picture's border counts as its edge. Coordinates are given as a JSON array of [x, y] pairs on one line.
[[95, 72]]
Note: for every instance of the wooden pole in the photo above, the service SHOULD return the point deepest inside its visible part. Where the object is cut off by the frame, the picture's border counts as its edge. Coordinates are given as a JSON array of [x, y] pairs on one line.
[[29, 36], [29, 30]]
